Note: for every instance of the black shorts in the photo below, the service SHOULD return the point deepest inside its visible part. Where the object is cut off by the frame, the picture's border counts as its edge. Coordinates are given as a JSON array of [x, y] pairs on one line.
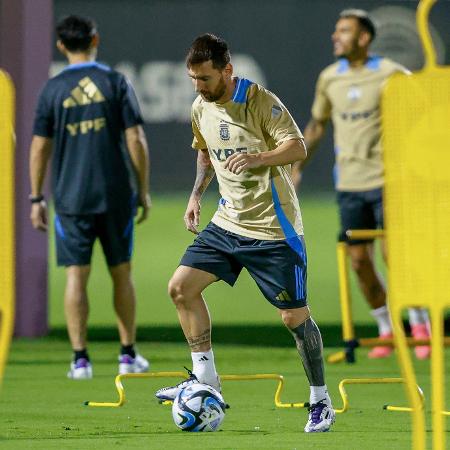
[[278, 269], [360, 211], [76, 234]]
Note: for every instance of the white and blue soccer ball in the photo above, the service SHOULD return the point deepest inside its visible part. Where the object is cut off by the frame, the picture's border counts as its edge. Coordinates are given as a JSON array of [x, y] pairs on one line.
[[198, 407]]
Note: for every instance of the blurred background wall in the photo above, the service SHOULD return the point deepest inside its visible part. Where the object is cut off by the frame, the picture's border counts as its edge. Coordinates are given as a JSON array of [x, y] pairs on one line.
[[281, 44]]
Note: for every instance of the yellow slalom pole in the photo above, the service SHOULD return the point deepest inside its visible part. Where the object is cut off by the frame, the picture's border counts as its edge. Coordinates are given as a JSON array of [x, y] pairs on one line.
[[345, 299], [7, 253], [437, 377], [404, 359], [348, 331]]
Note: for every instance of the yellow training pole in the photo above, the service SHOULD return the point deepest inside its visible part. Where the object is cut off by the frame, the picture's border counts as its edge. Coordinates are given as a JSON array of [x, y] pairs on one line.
[[438, 377], [7, 257], [348, 331], [404, 357]]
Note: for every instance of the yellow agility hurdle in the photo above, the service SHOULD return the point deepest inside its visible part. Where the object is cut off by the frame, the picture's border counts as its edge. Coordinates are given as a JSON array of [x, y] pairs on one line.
[[7, 272], [262, 376], [345, 400]]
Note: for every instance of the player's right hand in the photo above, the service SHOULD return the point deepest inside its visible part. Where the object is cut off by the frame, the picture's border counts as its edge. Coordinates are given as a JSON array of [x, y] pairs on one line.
[[145, 203], [192, 215], [38, 215]]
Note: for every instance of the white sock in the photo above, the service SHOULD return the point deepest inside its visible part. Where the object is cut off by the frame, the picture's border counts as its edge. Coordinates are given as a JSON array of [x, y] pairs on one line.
[[318, 393], [381, 315], [418, 316], [203, 367]]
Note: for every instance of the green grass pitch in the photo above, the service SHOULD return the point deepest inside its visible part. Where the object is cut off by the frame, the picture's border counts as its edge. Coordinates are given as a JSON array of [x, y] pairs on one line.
[[41, 409], [159, 245]]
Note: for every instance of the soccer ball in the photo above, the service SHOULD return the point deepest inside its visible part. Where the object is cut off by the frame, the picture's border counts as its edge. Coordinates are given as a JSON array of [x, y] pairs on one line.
[[198, 407]]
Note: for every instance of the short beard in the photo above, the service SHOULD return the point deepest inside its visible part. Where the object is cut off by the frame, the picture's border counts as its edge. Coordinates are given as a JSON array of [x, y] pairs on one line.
[[218, 93]]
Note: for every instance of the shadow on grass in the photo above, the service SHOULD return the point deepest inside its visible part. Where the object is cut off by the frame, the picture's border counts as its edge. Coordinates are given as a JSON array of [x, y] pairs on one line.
[[252, 335], [264, 335]]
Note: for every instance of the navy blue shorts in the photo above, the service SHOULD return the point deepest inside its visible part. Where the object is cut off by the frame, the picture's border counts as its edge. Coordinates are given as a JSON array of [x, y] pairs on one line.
[[76, 234], [360, 211], [278, 269]]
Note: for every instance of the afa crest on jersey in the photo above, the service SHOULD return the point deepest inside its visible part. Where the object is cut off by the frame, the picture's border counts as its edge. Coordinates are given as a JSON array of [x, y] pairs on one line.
[[354, 93], [224, 131]]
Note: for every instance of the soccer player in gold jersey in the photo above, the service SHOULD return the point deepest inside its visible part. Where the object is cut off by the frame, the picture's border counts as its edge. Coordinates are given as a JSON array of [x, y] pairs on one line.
[[349, 92], [245, 136]]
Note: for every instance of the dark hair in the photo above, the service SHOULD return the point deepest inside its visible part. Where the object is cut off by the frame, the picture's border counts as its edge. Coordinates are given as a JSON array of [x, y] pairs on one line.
[[76, 32], [363, 18], [209, 47]]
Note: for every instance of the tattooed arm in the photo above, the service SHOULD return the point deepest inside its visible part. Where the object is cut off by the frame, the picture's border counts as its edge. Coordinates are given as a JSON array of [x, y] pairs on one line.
[[205, 173]]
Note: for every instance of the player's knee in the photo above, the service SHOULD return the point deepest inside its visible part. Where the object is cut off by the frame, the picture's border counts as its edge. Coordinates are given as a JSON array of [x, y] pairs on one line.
[[292, 318], [121, 273], [178, 291], [78, 275]]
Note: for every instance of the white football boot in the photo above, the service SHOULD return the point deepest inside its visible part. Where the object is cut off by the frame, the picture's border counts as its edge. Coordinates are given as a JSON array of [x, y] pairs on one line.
[[128, 364]]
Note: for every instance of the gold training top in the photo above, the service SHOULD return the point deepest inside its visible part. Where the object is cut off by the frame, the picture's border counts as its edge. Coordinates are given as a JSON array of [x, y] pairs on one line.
[[258, 203], [351, 97]]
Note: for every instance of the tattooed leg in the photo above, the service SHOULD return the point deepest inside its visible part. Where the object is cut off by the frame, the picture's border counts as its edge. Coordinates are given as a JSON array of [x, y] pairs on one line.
[[197, 343], [309, 344]]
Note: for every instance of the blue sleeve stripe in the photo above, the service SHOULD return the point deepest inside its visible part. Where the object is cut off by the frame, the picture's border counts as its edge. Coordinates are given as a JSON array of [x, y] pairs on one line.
[[240, 92]]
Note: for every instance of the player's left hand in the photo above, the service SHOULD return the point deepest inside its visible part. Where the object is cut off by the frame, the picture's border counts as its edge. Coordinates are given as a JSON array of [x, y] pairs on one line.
[[145, 203], [238, 162]]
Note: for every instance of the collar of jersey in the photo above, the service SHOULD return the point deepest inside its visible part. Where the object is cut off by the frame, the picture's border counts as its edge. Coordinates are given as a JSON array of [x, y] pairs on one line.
[[372, 63], [85, 65], [240, 90]]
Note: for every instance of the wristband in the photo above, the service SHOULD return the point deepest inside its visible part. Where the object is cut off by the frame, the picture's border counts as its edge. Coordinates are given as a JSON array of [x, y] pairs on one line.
[[36, 198]]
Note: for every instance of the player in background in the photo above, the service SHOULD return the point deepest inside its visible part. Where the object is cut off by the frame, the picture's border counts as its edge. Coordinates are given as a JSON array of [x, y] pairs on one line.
[[85, 118], [349, 92], [246, 136]]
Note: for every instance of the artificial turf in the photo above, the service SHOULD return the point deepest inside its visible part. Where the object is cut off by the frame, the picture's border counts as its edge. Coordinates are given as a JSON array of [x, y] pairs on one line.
[[41, 409]]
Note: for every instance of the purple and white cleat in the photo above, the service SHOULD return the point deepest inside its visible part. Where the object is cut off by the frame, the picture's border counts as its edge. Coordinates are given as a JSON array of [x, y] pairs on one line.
[[128, 364], [81, 369], [321, 417]]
